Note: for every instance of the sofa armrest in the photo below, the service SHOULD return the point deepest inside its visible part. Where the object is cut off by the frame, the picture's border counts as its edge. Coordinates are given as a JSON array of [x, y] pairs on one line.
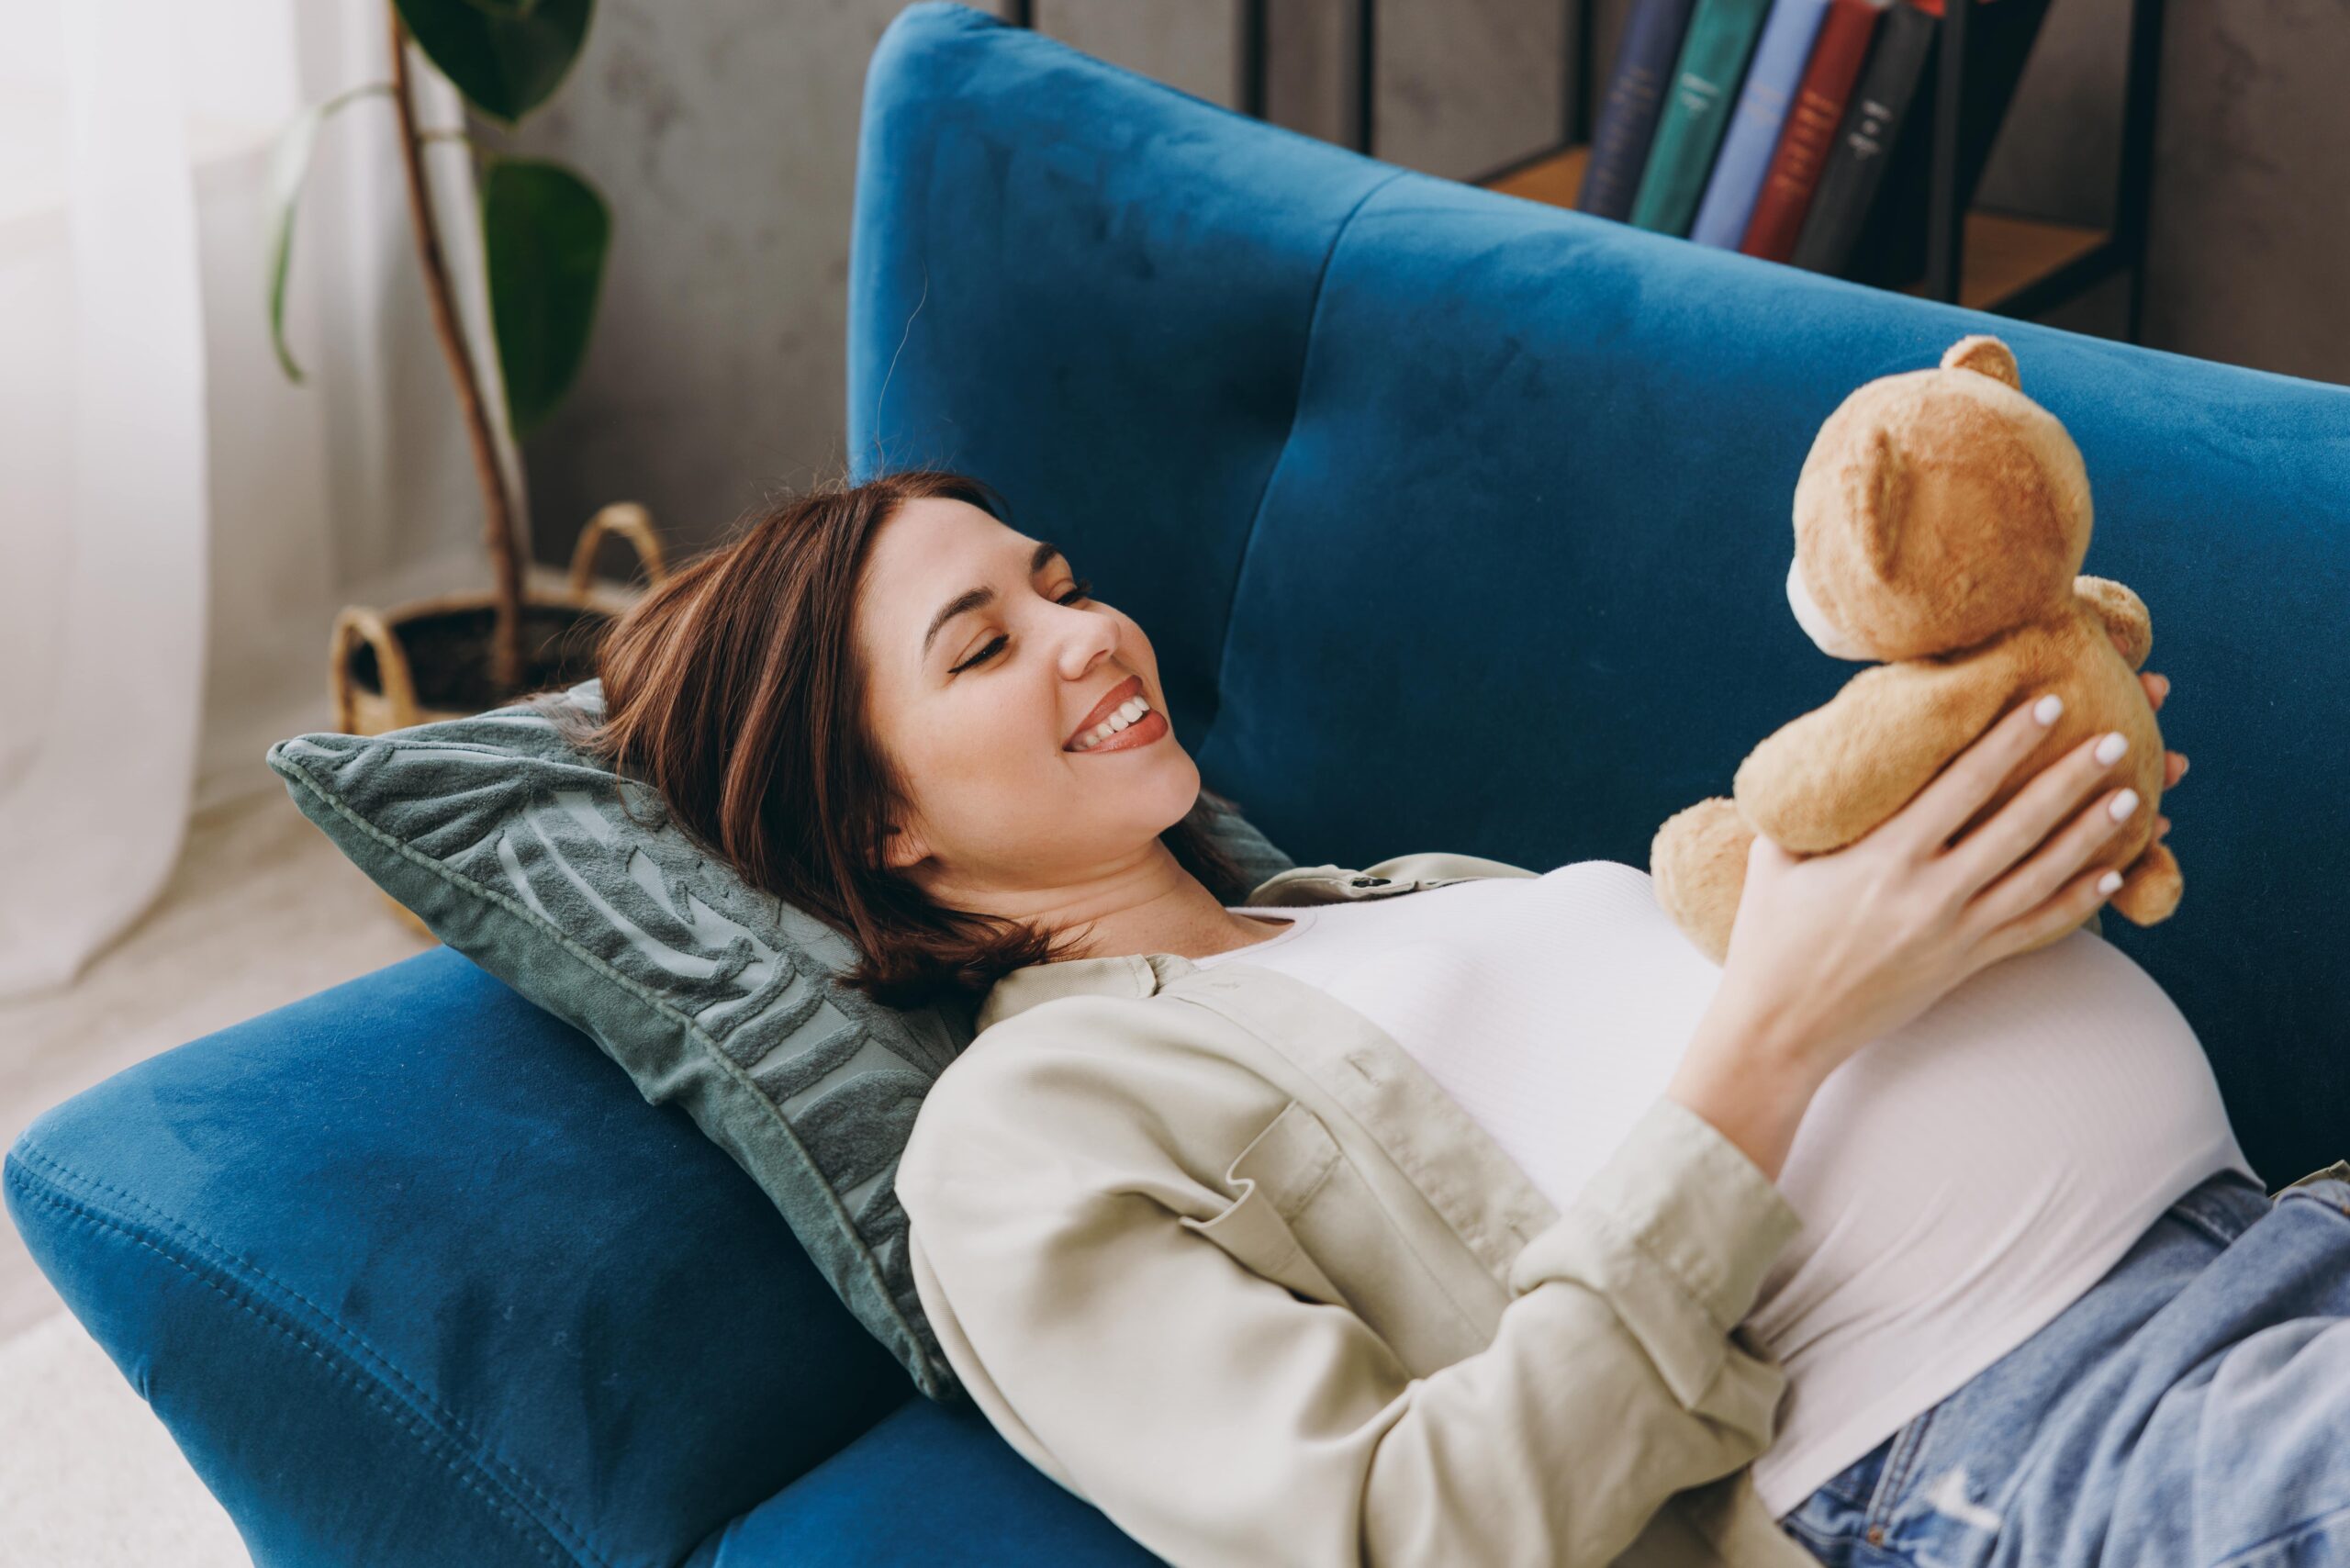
[[413, 1275]]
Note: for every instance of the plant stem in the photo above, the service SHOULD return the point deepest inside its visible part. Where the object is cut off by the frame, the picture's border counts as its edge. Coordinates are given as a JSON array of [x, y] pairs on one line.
[[506, 636]]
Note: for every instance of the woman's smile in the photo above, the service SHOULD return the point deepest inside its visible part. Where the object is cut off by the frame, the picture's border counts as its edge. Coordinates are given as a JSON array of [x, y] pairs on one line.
[[1126, 709], [1141, 732]]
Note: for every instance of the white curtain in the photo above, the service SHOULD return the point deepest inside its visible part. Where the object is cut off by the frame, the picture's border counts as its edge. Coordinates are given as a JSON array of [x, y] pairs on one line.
[[178, 523]]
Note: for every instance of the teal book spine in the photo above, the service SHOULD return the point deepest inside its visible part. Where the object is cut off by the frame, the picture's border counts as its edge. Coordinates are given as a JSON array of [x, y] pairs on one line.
[[1705, 88]]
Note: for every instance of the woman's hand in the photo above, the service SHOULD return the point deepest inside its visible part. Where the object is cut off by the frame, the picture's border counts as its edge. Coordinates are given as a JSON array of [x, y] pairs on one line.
[[1835, 951]]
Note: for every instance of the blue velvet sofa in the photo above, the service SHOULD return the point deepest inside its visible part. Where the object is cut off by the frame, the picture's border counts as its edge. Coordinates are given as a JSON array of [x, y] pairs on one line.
[[1458, 522]]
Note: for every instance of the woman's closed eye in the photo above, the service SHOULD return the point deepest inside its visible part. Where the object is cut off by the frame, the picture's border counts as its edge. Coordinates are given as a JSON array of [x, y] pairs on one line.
[[1082, 588]]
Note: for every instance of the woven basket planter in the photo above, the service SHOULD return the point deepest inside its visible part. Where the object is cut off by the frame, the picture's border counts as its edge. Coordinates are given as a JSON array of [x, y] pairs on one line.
[[427, 660]]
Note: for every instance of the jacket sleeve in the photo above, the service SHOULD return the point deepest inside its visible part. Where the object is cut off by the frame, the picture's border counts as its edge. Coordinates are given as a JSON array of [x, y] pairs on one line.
[[1218, 1418]]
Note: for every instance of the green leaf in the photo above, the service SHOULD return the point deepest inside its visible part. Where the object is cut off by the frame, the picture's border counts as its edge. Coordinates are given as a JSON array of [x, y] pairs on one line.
[[544, 232], [505, 58], [289, 165]]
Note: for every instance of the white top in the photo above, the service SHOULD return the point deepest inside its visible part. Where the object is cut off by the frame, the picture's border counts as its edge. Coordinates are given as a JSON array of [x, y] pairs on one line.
[[1961, 1180]]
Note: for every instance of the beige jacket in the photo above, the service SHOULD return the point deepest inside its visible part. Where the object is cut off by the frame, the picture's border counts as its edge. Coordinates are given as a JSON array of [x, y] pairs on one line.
[[1211, 1251]]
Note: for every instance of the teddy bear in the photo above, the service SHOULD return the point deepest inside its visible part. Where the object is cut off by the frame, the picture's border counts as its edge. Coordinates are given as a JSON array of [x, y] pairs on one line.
[[1941, 517]]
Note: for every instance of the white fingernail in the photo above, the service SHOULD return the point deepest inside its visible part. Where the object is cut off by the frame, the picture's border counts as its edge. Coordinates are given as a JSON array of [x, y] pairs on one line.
[[2110, 882], [2109, 749], [2047, 710], [2124, 804]]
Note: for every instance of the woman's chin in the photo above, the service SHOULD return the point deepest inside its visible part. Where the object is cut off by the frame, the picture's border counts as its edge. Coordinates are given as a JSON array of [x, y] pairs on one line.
[[1162, 790]]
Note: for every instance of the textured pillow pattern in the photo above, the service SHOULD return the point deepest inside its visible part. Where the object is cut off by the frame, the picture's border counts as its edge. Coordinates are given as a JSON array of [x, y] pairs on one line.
[[570, 884]]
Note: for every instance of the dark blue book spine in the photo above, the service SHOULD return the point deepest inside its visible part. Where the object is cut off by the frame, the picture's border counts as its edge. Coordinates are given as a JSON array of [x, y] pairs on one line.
[[1636, 90]]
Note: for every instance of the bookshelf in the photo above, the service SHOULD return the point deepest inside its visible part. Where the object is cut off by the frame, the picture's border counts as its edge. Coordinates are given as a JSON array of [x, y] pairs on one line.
[[1993, 262], [2004, 257], [2004, 264]]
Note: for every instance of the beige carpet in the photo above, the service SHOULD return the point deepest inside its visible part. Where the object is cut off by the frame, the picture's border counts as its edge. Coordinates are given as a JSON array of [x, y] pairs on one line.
[[263, 910], [88, 1477]]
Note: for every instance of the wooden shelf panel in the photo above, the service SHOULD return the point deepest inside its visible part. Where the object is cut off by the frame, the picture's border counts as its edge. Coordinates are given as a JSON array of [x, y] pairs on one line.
[[1557, 179], [2004, 254]]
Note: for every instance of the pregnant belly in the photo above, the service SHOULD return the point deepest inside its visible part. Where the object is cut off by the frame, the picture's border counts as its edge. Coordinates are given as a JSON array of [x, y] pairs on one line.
[[1985, 1163]]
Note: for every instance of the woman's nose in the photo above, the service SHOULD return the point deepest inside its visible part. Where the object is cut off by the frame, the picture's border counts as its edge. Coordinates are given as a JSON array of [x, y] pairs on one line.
[[1095, 637]]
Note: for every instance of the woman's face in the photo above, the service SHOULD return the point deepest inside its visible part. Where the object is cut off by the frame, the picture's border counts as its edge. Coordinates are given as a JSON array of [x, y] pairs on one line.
[[978, 709]]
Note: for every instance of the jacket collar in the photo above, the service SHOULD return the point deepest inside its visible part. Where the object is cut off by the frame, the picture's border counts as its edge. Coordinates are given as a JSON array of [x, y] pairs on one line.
[[1144, 974], [1139, 974]]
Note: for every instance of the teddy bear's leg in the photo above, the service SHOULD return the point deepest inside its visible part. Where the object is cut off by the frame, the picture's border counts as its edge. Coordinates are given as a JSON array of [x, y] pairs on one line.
[[2123, 614], [1698, 870], [2150, 889]]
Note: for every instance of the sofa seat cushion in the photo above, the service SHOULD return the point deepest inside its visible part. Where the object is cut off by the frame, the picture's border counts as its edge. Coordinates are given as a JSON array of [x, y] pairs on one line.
[[929, 1486]]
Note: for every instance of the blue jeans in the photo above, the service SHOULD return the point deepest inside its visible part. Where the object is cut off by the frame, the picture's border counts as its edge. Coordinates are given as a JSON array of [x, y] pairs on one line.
[[2192, 1410]]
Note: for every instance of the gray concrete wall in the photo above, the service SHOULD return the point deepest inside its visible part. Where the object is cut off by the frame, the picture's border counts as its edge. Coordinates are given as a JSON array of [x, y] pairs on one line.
[[724, 133]]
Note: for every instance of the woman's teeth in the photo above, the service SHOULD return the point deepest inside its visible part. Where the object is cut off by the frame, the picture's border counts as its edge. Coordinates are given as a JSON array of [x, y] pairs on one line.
[[1126, 713]]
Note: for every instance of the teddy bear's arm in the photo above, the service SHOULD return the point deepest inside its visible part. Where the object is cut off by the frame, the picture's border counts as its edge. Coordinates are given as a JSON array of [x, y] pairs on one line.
[[1825, 780], [2123, 613]]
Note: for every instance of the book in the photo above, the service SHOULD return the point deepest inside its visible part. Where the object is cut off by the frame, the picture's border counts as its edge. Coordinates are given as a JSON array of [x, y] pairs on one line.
[[1705, 85], [1809, 134], [1891, 251], [1628, 116], [1871, 126], [1772, 79]]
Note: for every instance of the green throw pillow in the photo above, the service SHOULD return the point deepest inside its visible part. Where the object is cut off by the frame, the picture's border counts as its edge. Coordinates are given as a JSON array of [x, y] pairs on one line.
[[521, 852]]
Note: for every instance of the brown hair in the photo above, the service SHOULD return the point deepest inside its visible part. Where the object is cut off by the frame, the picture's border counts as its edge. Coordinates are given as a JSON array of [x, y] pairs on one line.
[[734, 689]]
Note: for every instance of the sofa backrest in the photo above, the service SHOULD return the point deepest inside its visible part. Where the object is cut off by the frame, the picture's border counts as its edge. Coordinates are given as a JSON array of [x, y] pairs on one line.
[[1460, 521]]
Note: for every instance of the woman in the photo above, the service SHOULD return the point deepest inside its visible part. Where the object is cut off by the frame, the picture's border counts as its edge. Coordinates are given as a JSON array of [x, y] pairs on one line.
[[888, 706]]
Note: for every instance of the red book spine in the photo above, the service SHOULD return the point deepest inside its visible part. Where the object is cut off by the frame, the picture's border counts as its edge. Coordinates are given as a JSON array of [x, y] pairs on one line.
[[1810, 131]]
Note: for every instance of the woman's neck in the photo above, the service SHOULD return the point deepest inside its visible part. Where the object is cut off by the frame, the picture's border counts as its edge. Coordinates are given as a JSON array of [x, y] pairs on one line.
[[1149, 903], [1191, 934], [1159, 908]]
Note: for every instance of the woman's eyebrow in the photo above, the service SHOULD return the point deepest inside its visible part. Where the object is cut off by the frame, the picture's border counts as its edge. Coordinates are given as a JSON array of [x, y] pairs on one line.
[[974, 598]]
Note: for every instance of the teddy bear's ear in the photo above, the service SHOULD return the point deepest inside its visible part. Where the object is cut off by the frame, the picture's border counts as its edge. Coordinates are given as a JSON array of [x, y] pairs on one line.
[[1883, 501], [1984, 353]]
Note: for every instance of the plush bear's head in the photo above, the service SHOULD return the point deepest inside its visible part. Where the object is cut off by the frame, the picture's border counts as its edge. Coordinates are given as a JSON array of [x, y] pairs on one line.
[[1937, 510]]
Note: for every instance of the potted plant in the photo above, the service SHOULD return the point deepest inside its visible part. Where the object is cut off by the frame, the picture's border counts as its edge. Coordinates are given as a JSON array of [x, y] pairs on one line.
[[546, 231]]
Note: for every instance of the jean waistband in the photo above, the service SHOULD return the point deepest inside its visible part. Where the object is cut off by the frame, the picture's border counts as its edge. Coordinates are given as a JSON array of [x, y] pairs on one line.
[[2225, 1204]]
